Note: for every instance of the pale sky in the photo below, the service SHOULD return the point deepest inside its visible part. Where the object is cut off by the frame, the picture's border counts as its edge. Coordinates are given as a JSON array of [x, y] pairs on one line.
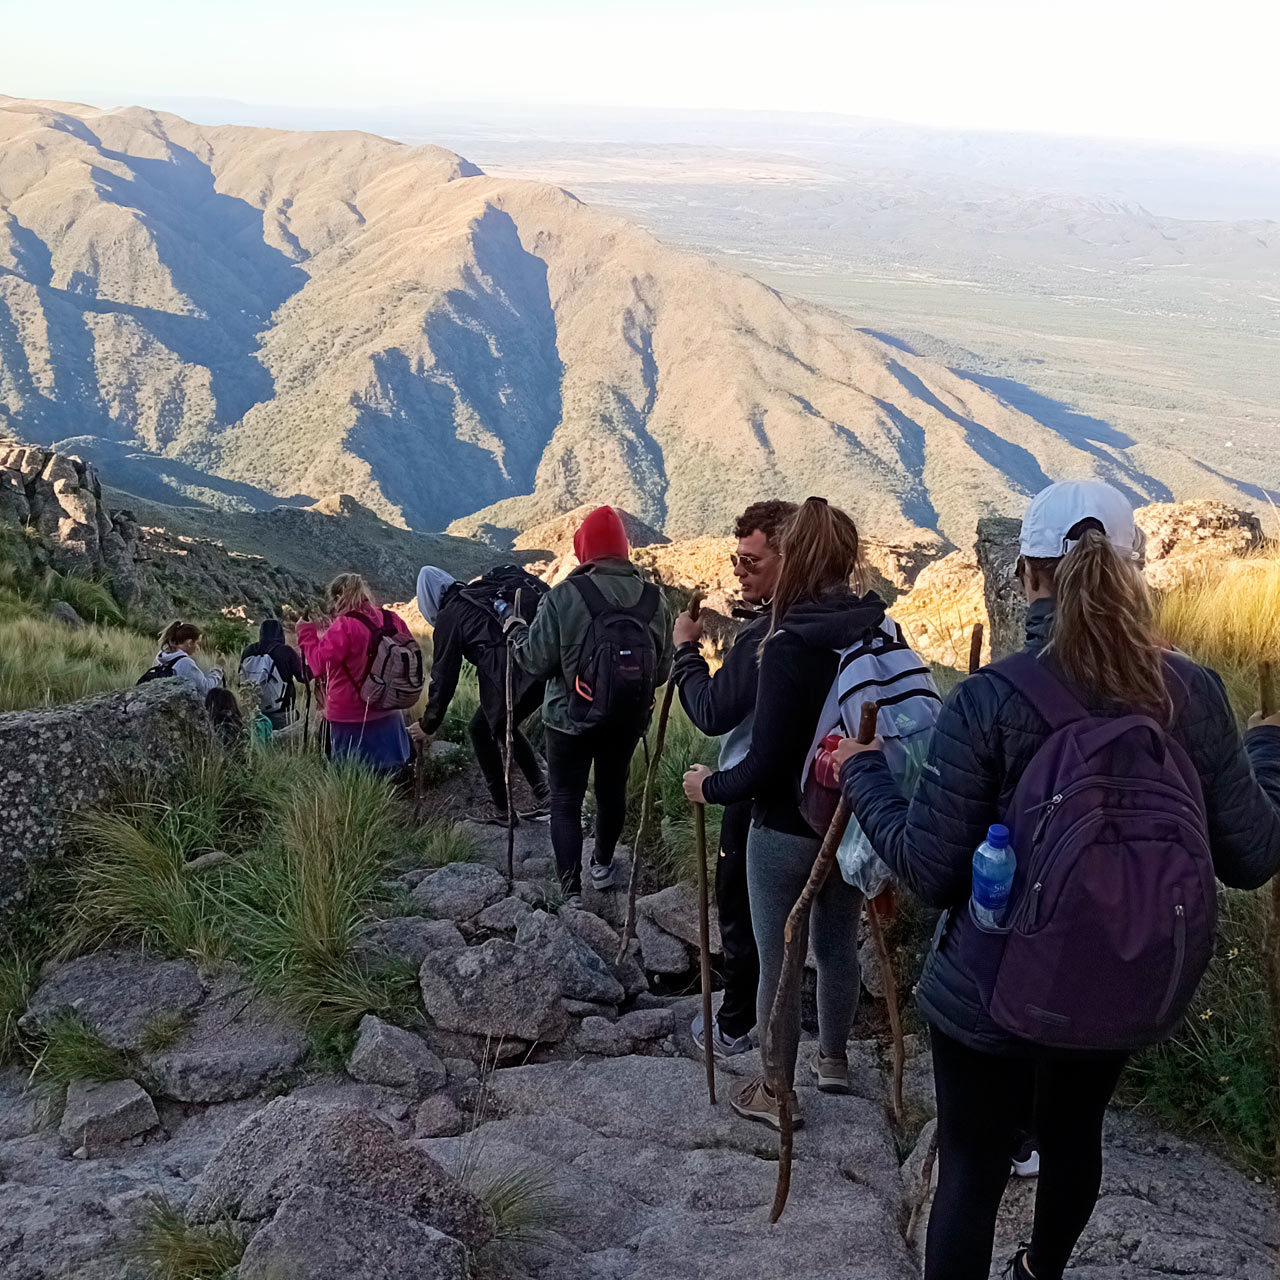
[[1200, 73]]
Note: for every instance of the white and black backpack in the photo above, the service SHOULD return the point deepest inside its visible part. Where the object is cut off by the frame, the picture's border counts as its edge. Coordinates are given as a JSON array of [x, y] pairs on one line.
[[259, 672], [884, 669]]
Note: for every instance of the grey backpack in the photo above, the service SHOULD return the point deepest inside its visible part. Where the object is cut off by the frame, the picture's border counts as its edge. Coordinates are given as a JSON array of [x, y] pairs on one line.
[[394, 678]]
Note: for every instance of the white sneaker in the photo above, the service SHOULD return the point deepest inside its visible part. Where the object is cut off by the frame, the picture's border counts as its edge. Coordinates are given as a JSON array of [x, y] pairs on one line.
[[602, 875], [1026, 1161]]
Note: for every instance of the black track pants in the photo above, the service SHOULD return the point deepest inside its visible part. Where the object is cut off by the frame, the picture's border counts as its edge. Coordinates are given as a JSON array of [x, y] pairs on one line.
[[983, 1102], [733, 905], [491, 743], [569, 760]]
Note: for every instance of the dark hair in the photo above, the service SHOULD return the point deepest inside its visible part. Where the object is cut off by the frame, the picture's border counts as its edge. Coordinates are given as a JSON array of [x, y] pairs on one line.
[[224, 713], [178, 633], [769, 517], [1104, 628], [820, 552]]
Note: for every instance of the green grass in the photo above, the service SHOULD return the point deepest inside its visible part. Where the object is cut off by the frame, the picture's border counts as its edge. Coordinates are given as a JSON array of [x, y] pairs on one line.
[[43, 663], [72, 1050], [17, 980], [168, 1247], [89, 597], [309, 845]]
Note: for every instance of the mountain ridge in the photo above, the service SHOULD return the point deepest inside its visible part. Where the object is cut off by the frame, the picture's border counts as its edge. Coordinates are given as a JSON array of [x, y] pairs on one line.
[[303, 314]]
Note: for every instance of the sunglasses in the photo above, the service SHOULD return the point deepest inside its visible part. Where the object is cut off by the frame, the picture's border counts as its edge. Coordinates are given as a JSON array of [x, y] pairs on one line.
[[749, 563]]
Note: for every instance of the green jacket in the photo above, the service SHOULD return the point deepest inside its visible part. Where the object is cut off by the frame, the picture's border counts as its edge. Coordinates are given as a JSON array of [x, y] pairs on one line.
[[549, 648]]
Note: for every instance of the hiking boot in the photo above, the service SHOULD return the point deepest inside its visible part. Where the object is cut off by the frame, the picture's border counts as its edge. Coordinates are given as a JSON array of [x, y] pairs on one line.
[[754, 1101], [489, 815], [832, 1073], [540, 813], [1018, 1268], [722, 1046], [601, 875], [1026, 1160]]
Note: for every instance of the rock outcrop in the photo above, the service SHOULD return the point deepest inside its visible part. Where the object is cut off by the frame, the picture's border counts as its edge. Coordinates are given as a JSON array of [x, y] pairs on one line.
[[53, 509], [60, 761]]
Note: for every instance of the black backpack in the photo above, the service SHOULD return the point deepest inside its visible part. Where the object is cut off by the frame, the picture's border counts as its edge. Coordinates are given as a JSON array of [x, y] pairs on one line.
[[161, 671], [498, 587], [617, 666]]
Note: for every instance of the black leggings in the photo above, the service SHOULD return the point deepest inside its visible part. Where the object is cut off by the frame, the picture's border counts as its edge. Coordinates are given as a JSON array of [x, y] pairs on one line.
[[983, 1101], [569, 760]]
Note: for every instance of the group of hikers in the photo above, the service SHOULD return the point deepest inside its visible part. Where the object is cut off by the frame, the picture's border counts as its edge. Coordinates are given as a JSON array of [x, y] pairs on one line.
[[1067, 811]]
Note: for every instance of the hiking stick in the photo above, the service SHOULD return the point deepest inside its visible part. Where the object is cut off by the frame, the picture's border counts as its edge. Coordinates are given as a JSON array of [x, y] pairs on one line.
[[506, 766], [704, 945], [795, 940], [646, 803], [975, 647], [419, 779], [891, 1003]]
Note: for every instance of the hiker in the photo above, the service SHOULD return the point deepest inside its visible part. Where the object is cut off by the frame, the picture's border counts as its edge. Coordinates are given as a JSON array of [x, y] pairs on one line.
[[1092, 651], [225, 716], [601, 640], [179, 642], [465, 628], [271, 666], [341, 655], [814, 614], [724, 706]]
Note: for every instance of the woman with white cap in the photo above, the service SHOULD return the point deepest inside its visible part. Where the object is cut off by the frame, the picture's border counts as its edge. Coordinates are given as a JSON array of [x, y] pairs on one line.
[[1094, 664]]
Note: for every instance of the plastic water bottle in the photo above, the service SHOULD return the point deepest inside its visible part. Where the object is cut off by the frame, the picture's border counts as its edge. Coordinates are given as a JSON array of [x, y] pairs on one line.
[[993, 868]]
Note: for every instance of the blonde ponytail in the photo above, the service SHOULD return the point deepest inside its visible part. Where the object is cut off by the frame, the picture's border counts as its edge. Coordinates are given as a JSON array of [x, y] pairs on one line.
[[1104, 632]]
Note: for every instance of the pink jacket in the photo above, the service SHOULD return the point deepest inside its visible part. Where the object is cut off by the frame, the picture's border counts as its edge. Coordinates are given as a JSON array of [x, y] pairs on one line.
[[340, 657]]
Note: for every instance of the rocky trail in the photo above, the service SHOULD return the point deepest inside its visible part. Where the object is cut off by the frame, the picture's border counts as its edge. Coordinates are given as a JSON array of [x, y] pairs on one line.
[[540, 1062]]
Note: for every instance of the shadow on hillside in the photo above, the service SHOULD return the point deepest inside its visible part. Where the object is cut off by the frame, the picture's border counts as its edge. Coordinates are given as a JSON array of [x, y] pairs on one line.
[[448, 435], [1075, 427]]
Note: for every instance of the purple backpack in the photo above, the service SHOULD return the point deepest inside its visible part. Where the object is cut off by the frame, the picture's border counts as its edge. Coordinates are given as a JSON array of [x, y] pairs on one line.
[[1113, 913]]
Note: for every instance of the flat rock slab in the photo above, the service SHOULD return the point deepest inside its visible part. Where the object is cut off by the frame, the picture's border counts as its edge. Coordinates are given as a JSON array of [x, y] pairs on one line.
[[237, 1045], [460, 890], [389, 1055], [327, 1235], [99, 1116], [120, 994], [660, 952], [292, 1145], [497, 989], [675, 911], [408, 938]]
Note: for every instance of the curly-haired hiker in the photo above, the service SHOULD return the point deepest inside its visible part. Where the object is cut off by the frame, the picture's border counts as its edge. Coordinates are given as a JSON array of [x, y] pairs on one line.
[[602, 641], [339, 656], [723, 706], [1102, 886], [815, 614]]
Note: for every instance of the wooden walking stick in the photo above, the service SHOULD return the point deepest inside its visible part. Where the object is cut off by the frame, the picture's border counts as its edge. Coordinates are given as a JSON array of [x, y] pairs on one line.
[[506, 764], [704, 945], [891, 1004], [975, 647], [788, 991], [646, 803]]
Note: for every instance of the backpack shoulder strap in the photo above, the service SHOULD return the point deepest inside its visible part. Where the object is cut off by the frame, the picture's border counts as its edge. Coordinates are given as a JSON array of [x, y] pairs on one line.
[[1036, 681], [591, 594], [647, 605]]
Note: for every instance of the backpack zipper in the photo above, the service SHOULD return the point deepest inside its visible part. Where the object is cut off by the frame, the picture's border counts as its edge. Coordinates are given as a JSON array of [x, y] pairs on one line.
[[1179, 958]]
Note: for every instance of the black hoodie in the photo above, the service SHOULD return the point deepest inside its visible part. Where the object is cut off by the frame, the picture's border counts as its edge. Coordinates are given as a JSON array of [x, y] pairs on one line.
[[288, 663], [797, 666]]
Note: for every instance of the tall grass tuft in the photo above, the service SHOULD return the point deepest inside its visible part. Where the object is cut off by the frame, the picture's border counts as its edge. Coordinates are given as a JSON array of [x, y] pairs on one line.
[[171, 1248], [17, 980], [73, 1050], [43, 663], [89, 597]]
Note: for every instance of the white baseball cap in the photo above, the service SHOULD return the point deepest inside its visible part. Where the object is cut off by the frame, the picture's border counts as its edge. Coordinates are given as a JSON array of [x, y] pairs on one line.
[[1050, 528]]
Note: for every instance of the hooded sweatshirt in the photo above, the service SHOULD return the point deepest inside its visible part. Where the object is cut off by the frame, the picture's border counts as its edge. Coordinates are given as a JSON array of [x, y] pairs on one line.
[[797, 667], [189, 671], [432, 584], [271, 641], [601, 537]]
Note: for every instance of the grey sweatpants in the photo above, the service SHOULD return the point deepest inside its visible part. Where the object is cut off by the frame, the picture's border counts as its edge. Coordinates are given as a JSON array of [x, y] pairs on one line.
[[777, 867]]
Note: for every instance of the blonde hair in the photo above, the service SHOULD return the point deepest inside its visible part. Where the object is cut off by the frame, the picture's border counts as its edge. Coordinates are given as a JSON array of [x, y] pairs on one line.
[[350, 593], [1104, 630], [820, 552], [178, 633]]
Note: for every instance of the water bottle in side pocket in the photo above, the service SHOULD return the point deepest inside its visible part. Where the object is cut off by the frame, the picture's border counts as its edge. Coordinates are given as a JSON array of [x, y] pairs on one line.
[[993, 868]]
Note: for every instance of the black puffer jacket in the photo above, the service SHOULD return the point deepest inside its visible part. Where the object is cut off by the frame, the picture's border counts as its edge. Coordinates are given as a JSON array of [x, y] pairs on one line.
[[464, 630], [985, 738]]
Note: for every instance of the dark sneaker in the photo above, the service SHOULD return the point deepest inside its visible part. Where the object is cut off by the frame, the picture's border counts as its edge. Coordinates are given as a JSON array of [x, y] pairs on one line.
[[832, 1073], [722, 1046], [602, 875], [754, 1101], [489, 815], [1026, 1160], [540, 813]]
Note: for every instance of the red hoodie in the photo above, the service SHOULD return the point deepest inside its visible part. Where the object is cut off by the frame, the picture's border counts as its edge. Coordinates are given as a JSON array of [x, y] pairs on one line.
[[601, 537]]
